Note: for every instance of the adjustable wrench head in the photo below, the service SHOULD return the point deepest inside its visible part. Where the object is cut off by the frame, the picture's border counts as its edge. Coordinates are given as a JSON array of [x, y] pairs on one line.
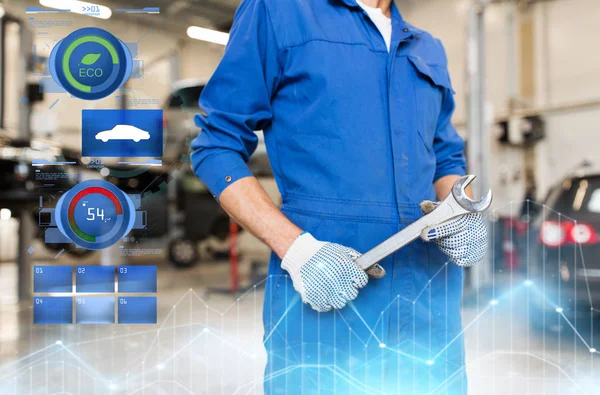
[[460, 196]]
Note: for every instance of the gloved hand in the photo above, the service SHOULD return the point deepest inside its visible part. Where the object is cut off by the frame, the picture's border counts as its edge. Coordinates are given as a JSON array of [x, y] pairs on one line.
[[323, 273], [464, 240]]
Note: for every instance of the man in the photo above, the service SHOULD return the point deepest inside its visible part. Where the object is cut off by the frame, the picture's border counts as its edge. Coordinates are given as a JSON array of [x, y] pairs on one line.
[[355, 105]]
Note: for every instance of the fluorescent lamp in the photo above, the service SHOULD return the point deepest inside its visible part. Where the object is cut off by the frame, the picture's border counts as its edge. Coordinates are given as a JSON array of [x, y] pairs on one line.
[[5, 214], [212, 36], [79, 7]]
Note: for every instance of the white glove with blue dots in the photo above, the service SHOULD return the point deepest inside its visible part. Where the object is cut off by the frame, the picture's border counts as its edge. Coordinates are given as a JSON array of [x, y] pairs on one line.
[[464, 240], [323, 273]]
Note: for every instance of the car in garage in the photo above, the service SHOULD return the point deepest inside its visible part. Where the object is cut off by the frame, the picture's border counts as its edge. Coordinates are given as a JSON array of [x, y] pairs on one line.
[[565, 252]]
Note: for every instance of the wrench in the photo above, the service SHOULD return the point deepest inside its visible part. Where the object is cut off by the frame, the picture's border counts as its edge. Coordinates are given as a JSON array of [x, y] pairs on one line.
[[456, 204]]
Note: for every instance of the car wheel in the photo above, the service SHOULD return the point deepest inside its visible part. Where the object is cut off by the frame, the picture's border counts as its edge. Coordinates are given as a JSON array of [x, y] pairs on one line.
[[183, 253], [136, 140], [105, 140]]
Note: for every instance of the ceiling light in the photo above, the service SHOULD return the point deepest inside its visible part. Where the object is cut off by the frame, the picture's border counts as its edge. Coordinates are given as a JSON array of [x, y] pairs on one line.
[[5, 214], [212, 36], [79, 7]]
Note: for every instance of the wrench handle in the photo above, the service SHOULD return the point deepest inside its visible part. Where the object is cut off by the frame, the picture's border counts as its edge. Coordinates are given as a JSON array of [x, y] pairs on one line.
[[389, 246], [444, 212]]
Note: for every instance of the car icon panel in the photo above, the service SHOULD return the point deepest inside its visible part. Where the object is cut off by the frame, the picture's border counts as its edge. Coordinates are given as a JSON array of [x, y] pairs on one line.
[[122, 133]]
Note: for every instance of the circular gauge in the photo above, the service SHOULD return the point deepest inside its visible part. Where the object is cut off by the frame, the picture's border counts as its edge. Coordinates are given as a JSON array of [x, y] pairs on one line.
[[95, 214], [90, 63]]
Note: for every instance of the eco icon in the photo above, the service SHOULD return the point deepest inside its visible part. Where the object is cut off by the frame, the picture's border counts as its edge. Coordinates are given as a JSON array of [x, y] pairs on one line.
[[90, 63], [90, 59]]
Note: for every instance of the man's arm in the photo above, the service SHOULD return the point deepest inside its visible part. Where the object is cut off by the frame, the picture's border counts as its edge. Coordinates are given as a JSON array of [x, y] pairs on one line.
[[449, 149], [237, 101], [324, 274], [247, 202]]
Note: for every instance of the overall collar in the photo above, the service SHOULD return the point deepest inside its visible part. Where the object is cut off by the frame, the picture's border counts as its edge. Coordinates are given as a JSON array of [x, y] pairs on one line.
[[354, 4], [400, 29], [349, 3]]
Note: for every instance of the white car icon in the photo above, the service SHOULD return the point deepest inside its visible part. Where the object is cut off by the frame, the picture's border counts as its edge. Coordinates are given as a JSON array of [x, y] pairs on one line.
[[123, 132]]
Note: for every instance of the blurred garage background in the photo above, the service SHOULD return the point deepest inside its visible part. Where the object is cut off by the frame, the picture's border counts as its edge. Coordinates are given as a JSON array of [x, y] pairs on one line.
[[527, 82]]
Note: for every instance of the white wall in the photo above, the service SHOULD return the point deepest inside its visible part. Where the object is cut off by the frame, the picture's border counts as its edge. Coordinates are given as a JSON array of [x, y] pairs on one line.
[[570, 63], [574, 63], [567, 69]]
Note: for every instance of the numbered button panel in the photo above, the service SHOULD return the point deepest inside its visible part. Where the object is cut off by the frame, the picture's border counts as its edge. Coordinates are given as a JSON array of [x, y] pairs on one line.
[[95, 309], [52, 310], [137, 310], [52, 279], [137, 279], [95, 279], [95, 297]]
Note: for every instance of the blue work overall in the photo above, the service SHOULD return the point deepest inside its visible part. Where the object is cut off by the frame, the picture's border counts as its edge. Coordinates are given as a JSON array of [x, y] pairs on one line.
[[357, 137]]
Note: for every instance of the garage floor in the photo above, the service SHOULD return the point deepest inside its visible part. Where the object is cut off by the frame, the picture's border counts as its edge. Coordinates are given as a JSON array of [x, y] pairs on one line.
[[211, 344]]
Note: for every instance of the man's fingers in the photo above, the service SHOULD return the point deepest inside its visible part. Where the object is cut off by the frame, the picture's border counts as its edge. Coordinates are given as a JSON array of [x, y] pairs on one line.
[[328, 278], [376, 271], [428, 206], [361, 279], [338, 302], [320, 308], [449, 228], [350, 293], [352, 253]]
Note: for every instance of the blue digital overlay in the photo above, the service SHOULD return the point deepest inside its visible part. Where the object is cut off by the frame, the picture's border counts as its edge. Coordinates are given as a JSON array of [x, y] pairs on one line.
[[54, 235], [141, 220], [90, 63], [122, 133], [137, 279], [94, 214], [95, 279], [138, 69], [137, 309], [52, 310], [145, 10], [49, 85], [51, 279], [133, 49], [95, 310]]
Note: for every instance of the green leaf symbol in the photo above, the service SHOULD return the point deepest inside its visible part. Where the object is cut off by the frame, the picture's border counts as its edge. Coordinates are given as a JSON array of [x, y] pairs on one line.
[[90, 59]]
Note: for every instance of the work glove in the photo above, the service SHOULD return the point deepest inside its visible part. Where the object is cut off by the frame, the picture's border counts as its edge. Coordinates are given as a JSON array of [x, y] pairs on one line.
[[323, 273], [464, 240]]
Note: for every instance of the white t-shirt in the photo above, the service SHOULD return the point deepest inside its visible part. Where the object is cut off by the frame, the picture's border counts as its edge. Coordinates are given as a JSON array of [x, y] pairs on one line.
[[383, 23]]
